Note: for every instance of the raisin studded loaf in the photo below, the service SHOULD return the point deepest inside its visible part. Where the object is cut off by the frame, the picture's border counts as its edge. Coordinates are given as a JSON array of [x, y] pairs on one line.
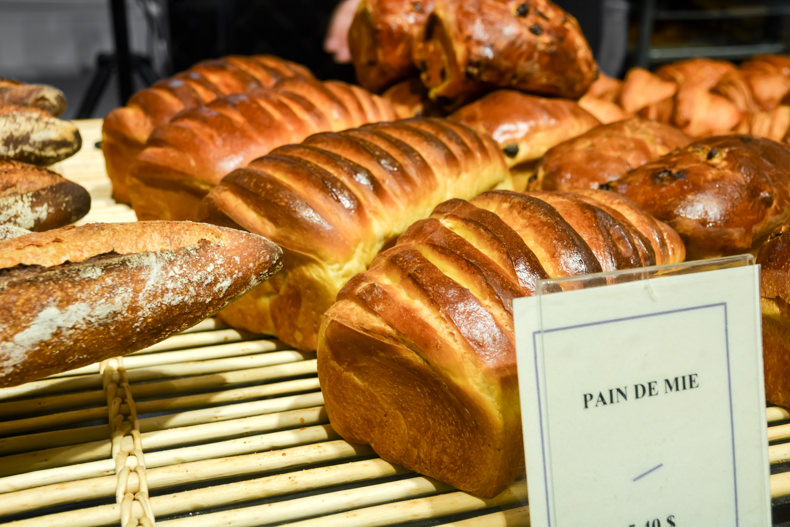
[[333, 201], [185, 158], [125, 129], [417, 357]]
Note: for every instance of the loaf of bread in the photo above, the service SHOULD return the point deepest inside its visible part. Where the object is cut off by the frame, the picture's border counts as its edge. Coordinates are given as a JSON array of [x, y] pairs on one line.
[[381, 39], [31, 135], [46, 98], [468, 48], [126, 129], [38, 199], [774, 260], [333, 201], [417, 357], [604, 153], [186, 157], [723, 194], [76, 295], [525, 126]]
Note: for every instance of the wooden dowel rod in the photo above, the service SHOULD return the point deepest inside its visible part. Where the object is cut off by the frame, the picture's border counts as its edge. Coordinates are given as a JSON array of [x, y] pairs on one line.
[[53, 420], [213, 366], [780, 485], [42, 440], [515, 517], [778, 432], [51, 403], [776, 413]]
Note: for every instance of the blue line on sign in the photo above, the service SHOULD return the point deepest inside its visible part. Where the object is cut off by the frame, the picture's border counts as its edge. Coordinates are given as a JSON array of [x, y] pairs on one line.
[[642, 475]]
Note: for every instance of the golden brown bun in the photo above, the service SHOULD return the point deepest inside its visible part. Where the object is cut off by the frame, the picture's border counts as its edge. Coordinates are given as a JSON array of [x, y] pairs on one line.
[[602, 99], [126, 129], [34, 136], [333, 201], [38, 199], [410, 99], [774, 260], [525, 126], [723, 194], [46, 98], [417, 357], [606, 152], [467, 48], [773, 124], [76, 295], [381, 38], [184, 158]]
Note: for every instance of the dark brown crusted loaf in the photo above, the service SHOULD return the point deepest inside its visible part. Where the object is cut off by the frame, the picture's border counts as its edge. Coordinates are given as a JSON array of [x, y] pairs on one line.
[[417, 357], [334, 200], [723, 194], [774, 260], [125, 129], [605, 153], [31, 135], [467, 48], [185, 158], [38, 199], [46, 98], [76, 295]]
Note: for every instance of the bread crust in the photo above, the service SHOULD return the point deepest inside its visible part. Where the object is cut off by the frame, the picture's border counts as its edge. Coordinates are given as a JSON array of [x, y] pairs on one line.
[[34, 136], [417, 356], [76, 295]]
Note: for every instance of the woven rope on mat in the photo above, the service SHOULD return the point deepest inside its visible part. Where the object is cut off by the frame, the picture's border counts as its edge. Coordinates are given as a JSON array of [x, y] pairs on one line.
[[131, 493]]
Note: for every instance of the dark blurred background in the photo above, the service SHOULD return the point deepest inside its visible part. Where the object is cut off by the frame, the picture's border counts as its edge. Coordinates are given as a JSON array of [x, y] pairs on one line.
[[72, 43]]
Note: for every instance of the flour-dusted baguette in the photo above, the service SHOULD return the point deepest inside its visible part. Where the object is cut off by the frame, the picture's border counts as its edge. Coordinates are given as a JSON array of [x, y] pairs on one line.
[[125, 129], [46, 98], [417, 357], [76, 295], [38, 199], [468, 48], [185, 158], [31, 135], [605, 152], [332, 202], [723, 194]]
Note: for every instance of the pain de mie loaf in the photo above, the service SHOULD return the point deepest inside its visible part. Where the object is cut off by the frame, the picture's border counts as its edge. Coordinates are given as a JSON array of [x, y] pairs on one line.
[[417, 357], [80, 294], [334, 200]]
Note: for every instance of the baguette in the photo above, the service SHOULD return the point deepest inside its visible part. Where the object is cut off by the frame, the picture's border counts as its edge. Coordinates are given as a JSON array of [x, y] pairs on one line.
[[417, 356], [185, 158], [37, 199], [333, 201], [76, 295], [126, 129]]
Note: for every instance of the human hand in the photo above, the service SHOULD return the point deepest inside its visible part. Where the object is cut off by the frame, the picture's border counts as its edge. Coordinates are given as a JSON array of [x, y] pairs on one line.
[[336, 41]]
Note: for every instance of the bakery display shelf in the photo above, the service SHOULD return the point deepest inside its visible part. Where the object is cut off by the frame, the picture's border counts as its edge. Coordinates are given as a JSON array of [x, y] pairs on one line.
[[219, 427]]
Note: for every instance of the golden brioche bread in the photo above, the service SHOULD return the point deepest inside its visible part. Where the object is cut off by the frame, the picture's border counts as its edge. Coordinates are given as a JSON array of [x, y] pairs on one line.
[[381, 38], [774, 260], [723, 194], [37, 199], [417, 357], [126, 129], [468, 48], [333, 201], [76, 295], [184, 158], [525, 126], [604, 153]]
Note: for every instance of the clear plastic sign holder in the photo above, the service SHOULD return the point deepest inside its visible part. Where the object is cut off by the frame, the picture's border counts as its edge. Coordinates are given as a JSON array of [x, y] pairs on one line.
[[642, 397]]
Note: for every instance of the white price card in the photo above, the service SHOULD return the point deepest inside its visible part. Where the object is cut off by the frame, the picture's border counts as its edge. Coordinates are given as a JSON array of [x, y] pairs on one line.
[[643, 402]]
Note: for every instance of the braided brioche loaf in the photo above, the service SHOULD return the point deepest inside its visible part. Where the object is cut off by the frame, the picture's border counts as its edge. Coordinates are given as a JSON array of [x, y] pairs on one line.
[[334, 200], [125, 129], [417, 356], [185, 158]]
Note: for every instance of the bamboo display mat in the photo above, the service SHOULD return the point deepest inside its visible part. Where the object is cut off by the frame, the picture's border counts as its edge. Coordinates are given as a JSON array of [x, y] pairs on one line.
[[218, 427]]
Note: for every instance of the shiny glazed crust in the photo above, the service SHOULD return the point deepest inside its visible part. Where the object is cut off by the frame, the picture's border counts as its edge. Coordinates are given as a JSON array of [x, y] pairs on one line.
[[533, 46], [37, 199], [605, 153], [126, 129], [185, 158], [76, 295], [334, 200], [417, 356], [723, 194]]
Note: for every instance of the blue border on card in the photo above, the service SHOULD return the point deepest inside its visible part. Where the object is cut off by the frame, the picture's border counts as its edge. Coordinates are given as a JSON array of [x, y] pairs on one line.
[[622, 319]]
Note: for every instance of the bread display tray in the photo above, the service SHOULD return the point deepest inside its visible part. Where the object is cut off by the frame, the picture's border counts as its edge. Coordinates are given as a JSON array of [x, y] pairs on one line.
[[218, 427]]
